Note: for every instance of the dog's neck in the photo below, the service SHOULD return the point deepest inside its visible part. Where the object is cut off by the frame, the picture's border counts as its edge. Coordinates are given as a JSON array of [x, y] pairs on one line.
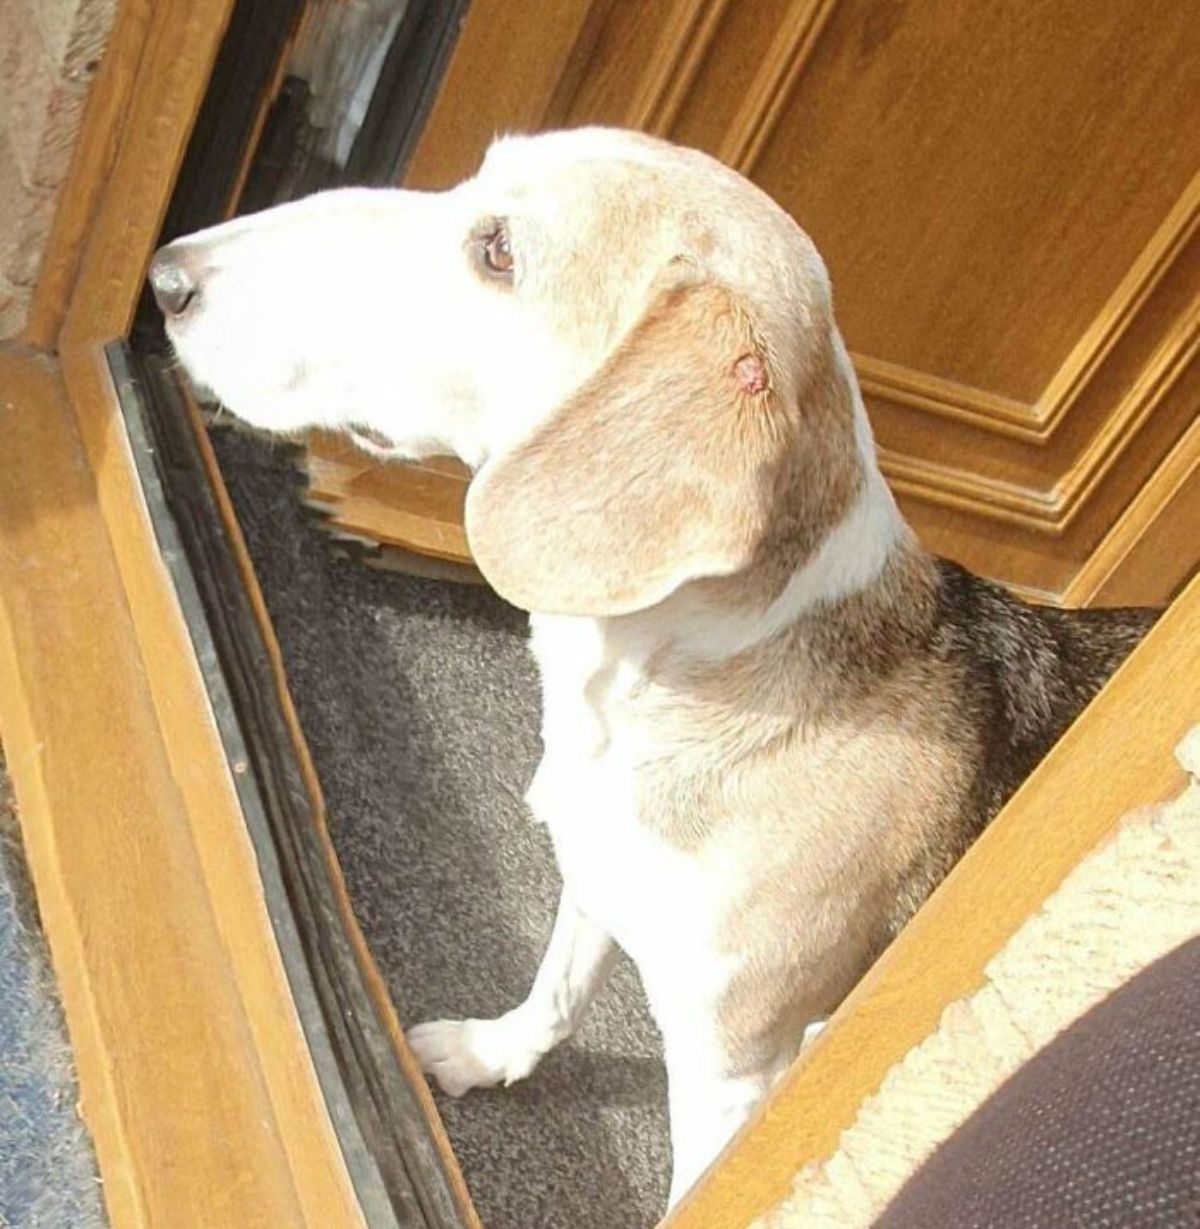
[[867, 576], [848, 561]]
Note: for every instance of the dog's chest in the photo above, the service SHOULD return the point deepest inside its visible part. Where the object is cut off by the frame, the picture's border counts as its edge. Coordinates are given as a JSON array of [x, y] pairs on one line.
[[586, 791], [704, 861]]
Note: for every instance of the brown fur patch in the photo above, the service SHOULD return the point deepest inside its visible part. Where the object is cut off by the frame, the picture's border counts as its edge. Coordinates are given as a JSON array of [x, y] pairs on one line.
[[844, 766]]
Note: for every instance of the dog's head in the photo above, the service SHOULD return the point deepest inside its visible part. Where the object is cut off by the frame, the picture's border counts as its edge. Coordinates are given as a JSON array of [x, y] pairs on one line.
[[632, 346]]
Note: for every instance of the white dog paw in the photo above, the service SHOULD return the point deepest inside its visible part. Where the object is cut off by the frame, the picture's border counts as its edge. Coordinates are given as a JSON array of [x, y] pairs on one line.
[[466, 1054]]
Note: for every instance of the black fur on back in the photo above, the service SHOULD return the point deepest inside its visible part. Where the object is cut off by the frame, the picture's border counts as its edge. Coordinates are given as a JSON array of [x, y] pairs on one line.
[[1028, 671]]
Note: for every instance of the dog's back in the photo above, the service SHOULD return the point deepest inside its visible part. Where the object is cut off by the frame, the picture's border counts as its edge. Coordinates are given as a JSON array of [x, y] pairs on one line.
[[1025, 673]]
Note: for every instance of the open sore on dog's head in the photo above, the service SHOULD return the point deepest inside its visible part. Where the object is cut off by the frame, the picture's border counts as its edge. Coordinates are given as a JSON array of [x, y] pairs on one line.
[[630, 344]]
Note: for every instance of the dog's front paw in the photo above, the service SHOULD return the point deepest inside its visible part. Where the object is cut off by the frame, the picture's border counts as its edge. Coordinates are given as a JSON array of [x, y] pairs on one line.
[[466, 1054]]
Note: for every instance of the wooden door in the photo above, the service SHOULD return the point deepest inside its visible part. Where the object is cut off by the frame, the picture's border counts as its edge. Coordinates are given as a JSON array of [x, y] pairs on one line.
[[1007, 196]]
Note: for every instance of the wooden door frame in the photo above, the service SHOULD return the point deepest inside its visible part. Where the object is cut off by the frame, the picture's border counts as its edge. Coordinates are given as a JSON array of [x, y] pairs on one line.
[[172, 980]]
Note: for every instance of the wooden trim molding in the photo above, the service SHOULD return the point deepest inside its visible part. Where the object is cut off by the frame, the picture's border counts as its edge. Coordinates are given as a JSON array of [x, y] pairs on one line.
[[95, 150], [950, 487], [162, 97], [1152, 545], [1176, 231], [1053, 511], [1116, 756], [149, 889], [1174, 357], [922, 391], [686, 37], [773, 84], [1037, 422]]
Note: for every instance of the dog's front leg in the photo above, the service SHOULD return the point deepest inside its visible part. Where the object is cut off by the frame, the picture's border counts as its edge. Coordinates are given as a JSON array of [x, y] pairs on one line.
[[705, 1115], [466, 1054], [708, 1104]]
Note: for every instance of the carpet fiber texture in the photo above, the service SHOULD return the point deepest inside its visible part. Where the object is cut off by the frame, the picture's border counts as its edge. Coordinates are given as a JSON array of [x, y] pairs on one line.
[[47, 1169], [420, 704]]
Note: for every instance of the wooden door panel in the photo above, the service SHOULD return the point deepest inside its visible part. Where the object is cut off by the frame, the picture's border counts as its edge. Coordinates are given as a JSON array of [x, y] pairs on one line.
[[982, 180], [1008, 197]]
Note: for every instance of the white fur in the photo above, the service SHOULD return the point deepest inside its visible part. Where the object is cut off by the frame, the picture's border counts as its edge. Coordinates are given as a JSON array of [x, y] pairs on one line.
[[299, 322], [850, 558]]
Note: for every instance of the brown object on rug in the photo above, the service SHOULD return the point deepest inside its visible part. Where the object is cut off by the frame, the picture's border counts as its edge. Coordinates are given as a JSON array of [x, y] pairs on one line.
[[408, 517]]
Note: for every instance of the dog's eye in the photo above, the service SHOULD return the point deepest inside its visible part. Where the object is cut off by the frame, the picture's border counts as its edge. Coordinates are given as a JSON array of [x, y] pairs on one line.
[[497, 251]]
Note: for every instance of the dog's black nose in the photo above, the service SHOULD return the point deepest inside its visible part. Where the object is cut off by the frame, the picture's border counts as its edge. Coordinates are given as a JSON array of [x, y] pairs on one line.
[[174, 284]]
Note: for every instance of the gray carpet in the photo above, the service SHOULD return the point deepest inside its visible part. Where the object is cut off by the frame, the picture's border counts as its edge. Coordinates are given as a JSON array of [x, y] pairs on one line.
[[47, 1169], [419, 701]]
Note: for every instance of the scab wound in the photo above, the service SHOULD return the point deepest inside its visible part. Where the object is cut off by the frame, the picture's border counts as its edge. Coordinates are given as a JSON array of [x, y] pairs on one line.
[[750, 372]]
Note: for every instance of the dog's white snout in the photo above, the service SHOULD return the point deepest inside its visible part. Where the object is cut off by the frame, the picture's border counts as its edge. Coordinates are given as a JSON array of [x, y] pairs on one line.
[[175, 279]]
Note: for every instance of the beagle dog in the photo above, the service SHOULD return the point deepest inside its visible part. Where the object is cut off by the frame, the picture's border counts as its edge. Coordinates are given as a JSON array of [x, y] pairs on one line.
[[772, 721]]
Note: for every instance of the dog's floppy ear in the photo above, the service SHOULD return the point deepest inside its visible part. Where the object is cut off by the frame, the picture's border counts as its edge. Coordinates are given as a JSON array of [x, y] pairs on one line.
[[657, 471]]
